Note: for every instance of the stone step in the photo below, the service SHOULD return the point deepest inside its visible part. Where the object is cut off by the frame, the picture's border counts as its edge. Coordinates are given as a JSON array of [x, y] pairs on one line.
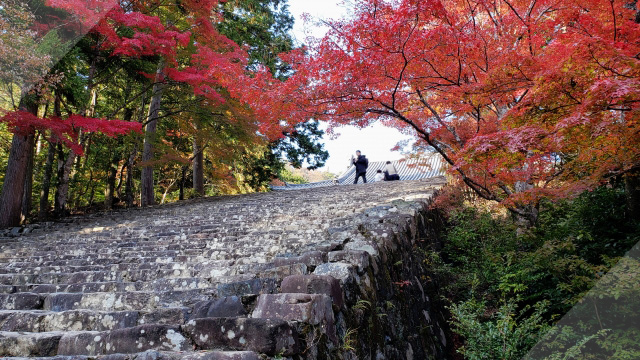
[[229, 273], [74, 320], [90, 320], [267, 336], [228, 286], [29, 344], [122, 341], [124, 301], [92, 258], [11, 289], [105, 301], [155, 285], [21, 301], [133, 275], [158, 355], [110, 263]]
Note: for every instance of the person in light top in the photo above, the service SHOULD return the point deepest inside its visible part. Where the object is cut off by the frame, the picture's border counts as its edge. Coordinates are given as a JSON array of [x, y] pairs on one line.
[[390, 172], [379, 176]]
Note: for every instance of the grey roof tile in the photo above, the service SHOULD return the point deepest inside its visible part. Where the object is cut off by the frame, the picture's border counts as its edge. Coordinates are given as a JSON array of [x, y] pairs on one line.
[[409, 169]]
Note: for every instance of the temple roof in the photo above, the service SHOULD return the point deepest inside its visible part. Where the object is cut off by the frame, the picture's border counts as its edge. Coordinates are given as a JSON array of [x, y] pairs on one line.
[[408, 169]]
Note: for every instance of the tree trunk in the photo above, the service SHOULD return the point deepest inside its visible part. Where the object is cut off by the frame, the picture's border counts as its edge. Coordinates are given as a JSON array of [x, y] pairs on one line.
[[46, 182], [48, 168], [198, 167], [13, 186], [128, 190], [147, 196], [64, 173], [110, 190], [183, 181], [27, 193], [11, 197], [111, 186]]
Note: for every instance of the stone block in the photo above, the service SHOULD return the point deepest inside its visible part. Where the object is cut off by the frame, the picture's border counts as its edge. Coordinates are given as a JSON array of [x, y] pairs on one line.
[[62, 301], [89, 343], [45, 288], [36, 344], [314, 284], [367, 246], [267, 336], [230, 306], [164, 316], [359, 258], [222, 355], [7, 289], [83, 320], [311, 259], [117, 301], [27, 321], [100, 287], [90, 276], [16, 279], [281, 272], [21, 301], [314, 309], [344, 272], [124, 341], [146, 337], [248, 287]]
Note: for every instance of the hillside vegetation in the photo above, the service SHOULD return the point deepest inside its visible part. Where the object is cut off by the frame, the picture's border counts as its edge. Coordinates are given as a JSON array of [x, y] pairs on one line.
[[506, 288]]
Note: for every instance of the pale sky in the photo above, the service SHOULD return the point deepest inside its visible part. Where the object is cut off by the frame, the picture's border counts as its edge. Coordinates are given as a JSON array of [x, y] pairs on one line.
[[375, 141]]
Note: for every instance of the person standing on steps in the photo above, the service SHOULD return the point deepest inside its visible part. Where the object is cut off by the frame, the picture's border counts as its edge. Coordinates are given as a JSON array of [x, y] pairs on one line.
[[390, 172], [361, 163]]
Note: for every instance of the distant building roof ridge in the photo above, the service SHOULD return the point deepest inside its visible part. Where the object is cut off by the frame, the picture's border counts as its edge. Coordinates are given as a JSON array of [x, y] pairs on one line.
[[408, 169]]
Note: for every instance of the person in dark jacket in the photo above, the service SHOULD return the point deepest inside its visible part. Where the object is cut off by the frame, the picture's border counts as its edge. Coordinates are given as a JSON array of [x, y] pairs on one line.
[[361, 163]]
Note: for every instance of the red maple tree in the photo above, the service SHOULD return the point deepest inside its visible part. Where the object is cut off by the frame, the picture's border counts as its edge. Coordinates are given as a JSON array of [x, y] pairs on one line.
[[523, 98], [190, 50]]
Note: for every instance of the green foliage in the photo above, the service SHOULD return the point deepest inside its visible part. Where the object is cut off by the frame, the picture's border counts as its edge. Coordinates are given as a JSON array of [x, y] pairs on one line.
[[264, 25], [302, 145], [506, 334], [237, 157], [349, 340], [287, 176], [362, 305], [506, 288]]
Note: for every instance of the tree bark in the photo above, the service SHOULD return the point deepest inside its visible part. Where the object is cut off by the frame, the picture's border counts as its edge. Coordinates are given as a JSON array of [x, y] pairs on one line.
[[64, 173], [11, 197], [111, 186], [13, 186], [128, 190], [198, 167], [147, 196], [183, 181], [27, 193], [48, 167], [46, 182]]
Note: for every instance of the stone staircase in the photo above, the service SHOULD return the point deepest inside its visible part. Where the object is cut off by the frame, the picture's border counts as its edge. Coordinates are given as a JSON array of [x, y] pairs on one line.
[[237, 277]]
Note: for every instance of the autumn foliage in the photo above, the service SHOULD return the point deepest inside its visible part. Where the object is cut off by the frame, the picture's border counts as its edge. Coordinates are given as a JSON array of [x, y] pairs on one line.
[[109, 60], [523, 98]]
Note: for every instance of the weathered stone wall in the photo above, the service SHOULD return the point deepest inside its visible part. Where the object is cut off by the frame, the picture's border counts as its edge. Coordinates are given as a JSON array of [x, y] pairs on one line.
[[328, 273]]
